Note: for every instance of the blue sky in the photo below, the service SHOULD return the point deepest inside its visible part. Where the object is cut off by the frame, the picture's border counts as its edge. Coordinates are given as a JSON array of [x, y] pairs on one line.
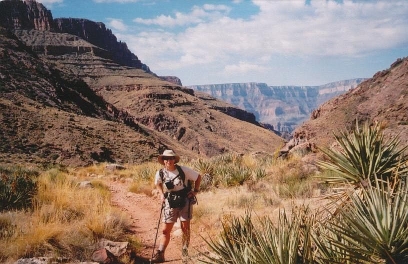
[[278, 42]]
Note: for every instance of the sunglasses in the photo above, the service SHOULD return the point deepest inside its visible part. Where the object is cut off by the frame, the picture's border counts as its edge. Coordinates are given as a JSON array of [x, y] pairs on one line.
[[168, 158]]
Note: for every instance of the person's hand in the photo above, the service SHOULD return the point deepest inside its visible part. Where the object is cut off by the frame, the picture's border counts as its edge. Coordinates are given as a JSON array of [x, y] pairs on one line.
[[192, 197], [192, 194]]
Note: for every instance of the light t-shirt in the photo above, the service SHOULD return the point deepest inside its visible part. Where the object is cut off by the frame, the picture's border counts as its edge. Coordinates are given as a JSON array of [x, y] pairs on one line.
[[189, 173]]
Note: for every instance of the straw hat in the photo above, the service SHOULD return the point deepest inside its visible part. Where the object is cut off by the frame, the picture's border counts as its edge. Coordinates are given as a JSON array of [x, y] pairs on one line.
[[168, 153]]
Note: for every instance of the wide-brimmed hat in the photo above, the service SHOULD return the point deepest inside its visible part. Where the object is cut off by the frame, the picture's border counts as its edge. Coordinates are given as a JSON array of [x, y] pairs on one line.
[[168, 153]]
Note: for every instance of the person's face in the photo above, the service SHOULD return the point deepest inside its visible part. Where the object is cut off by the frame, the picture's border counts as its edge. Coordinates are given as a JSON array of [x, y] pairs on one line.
[[169, 161]]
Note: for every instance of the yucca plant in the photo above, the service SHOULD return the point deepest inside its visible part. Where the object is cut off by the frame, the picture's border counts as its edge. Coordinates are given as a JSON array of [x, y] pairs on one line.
[[233, 175], [373, 226], [259, 173], [328, 252], [364, 156], [228, 158], [204, 167], [287, 242], [369, 224], [17, 188], [233, 243]]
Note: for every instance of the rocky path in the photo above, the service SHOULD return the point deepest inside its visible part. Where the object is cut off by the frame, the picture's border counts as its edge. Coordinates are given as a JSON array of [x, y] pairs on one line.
[[144, 211]]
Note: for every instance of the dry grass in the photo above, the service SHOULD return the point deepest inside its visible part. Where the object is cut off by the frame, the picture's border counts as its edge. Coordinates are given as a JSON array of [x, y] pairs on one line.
[[292, 179], [142, 176], [70, 219], [65, 218], [282, 185]]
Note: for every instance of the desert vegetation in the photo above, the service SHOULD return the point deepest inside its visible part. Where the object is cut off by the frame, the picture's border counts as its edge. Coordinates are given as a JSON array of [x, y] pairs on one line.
[[255, 208], [365, 223]]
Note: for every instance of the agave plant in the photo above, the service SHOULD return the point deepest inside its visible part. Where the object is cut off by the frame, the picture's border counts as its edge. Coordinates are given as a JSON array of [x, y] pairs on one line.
[[328, 252], [204, 167], [233, 242], [364, 156], [287, 242], [372, 227], [18, 187], [370, 224]]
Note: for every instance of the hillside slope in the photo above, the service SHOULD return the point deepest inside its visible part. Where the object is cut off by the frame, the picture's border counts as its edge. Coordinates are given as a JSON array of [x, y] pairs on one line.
[[49, 116], [75, 108], [382, 98]]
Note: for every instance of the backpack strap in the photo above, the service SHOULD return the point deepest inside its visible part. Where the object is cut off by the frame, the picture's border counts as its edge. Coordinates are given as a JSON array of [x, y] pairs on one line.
[[161, 175], [181, 174], [183, 177]]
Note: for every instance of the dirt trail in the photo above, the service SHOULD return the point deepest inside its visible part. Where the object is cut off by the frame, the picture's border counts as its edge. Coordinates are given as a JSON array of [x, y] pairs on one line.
[[144, 211]]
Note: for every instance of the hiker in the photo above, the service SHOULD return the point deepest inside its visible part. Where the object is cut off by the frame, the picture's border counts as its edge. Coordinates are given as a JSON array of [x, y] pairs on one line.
[[174, 185]]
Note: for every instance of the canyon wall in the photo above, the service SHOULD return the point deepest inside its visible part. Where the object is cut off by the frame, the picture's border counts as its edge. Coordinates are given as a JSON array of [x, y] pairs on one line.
[[283, 107]]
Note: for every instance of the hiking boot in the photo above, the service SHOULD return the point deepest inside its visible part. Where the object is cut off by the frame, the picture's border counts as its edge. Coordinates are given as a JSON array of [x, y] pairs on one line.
[[158, 257]]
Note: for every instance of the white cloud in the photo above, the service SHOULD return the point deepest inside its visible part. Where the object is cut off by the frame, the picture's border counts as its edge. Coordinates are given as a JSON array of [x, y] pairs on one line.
[[216, 8], [117, 24], [244, 68], [196, 16], [168, 21], [322, 29]]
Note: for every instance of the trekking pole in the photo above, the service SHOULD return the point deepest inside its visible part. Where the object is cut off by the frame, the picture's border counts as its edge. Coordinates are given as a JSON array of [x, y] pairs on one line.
[[158, 225]]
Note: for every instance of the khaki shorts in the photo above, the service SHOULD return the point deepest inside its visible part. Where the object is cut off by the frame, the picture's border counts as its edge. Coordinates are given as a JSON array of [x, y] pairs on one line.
[[170, 215]]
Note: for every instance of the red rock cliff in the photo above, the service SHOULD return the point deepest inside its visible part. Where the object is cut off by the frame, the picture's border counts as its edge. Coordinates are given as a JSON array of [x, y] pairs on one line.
[[28, 14]]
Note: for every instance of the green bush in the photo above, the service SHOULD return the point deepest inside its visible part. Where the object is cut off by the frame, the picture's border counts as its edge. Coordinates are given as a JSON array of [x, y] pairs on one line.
[[17, 188]]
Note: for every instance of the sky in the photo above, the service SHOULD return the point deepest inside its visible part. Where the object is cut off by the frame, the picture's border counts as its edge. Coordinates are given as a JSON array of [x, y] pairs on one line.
[[277, 42]]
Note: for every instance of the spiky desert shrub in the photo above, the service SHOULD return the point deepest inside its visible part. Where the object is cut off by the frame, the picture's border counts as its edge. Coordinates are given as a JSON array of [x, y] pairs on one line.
[[368, 225], [363, 156], [244, 241], [371, 228], [17, 187], [369, 221], [226, 170], [231, 175], [206, 169]]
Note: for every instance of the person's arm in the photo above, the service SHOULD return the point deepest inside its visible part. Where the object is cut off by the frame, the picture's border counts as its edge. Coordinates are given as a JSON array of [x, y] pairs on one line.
[[159, 187]]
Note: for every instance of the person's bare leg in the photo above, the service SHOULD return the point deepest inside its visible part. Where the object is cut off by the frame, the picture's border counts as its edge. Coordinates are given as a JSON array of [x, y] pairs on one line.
[[165, 237], [164, 241], [185, 227]]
